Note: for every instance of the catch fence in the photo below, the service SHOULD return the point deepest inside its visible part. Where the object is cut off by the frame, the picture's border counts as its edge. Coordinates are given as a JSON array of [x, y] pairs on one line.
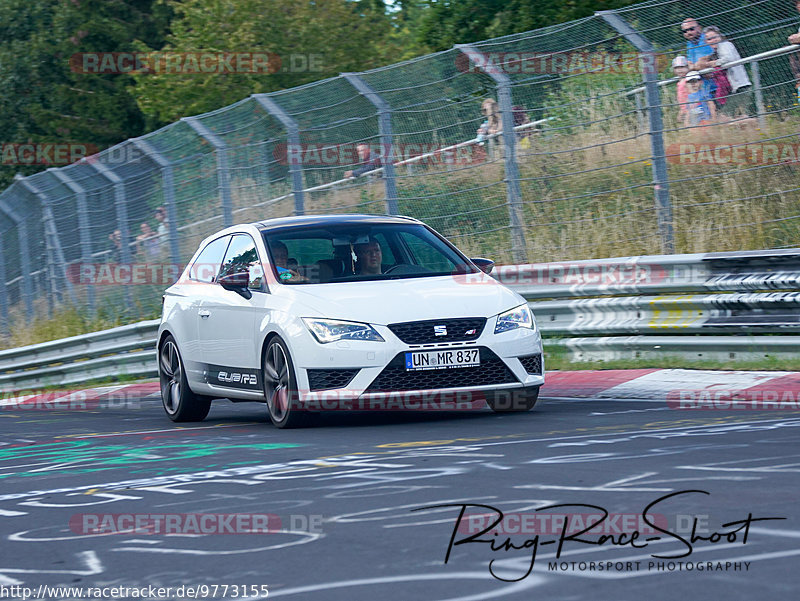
[[588, 155]]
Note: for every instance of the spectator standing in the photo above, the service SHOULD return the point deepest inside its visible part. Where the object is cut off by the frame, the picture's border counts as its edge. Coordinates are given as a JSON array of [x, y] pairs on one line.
[[740, 103], [680, 67], [147, 241], [163, 227], [368, 160], [696, 48], [116, 246], [702, 110], [794, 59], [521, 118], [491, 115], [491, 125]]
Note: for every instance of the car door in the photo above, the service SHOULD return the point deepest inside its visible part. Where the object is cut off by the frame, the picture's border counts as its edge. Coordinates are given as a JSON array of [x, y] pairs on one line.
[[186, 313], [228, 335]]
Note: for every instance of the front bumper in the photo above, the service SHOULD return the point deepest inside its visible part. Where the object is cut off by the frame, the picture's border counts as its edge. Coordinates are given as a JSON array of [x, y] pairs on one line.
[[358, 373]]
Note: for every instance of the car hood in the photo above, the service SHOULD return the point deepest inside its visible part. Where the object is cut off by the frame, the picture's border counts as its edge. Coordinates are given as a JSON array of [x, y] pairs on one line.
[[410, 299]]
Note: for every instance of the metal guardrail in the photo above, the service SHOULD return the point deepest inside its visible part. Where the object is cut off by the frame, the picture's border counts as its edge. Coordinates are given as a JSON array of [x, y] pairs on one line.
[[754, 296], [688, 348], [636, 307], [125, 350]]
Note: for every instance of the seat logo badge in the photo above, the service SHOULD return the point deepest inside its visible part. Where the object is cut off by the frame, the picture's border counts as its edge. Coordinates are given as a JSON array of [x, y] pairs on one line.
[[440, 330]]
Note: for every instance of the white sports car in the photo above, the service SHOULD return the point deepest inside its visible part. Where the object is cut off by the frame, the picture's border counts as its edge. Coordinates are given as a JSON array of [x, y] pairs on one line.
[[312, 313]]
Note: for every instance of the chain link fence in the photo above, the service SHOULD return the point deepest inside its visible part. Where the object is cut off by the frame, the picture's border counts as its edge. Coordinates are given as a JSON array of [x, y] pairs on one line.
[[568, 142]]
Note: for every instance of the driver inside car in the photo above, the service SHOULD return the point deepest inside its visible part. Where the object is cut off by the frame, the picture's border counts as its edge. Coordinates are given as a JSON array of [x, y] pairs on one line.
[[368, 257], [280, 254]]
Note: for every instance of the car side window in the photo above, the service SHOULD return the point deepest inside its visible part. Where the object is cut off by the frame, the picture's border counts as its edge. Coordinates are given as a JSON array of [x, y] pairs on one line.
[[206, 266], [424, 255], [243, 256]]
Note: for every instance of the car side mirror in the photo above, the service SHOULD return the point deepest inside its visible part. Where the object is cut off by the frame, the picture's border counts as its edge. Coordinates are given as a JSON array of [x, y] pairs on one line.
[[485, 265], [237, 282]]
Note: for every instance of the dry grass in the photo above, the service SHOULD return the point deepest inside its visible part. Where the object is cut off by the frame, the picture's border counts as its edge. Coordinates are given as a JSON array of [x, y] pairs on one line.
[[586, 193], [63, 323]]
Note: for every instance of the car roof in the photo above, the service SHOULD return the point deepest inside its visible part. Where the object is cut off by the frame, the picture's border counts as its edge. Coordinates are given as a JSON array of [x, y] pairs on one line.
[[318, 220]]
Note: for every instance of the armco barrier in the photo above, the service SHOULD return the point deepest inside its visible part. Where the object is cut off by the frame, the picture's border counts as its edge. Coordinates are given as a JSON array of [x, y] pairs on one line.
[[676, 305], [128, 350]]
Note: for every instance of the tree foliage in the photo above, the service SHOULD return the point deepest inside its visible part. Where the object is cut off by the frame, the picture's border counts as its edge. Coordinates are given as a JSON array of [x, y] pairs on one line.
[[330, 36], [445, 23], [43, 100]]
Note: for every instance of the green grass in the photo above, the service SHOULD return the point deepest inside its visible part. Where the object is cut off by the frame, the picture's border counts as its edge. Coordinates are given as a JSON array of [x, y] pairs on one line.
[[66, 322], [586, 193], [557, 358]]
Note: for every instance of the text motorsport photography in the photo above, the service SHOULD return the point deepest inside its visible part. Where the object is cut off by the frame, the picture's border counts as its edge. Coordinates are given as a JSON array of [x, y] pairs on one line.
[[592, 526]]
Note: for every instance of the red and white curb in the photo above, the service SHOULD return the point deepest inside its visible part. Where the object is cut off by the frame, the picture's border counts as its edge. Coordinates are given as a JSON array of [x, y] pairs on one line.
[[88, 398], [679, 388], [682, 388]]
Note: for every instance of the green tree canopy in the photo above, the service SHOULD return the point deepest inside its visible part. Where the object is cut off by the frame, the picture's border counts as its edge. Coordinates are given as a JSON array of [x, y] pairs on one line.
[[43, 100], [449, 22], [333, 35]]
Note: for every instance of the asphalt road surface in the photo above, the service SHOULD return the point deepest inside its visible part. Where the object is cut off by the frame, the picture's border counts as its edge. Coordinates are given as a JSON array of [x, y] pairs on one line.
[[116, 495]]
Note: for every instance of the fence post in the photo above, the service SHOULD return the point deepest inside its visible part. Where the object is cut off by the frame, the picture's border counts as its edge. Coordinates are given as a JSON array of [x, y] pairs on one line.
[[83, 226], [52, 233], [168, 181], [5, 330], [513, 190], [43, 279], [656, 122], [385, 131], [122, 215], [293, 138], [25, 257], [223, 169], [755, 70], [48, 272]]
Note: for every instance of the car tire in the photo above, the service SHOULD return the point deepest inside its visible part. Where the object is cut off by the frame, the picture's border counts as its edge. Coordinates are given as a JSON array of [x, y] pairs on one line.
[[180, 403], [280, 387], [514, 400]]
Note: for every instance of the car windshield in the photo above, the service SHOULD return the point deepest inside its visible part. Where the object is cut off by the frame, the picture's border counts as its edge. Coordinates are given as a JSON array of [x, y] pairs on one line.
[[320, 254]]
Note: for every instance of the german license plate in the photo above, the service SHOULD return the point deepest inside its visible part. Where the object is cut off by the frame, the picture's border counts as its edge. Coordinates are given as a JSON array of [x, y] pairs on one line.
[[447, 359]]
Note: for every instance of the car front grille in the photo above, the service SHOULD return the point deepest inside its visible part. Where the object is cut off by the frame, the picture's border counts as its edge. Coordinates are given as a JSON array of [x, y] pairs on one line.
[[425, 332], [532, 363], [491, 371], [327, 379]]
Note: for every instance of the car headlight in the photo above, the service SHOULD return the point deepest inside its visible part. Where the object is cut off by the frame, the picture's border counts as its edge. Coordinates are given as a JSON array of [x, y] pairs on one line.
[[518, 317], [331, 330]]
